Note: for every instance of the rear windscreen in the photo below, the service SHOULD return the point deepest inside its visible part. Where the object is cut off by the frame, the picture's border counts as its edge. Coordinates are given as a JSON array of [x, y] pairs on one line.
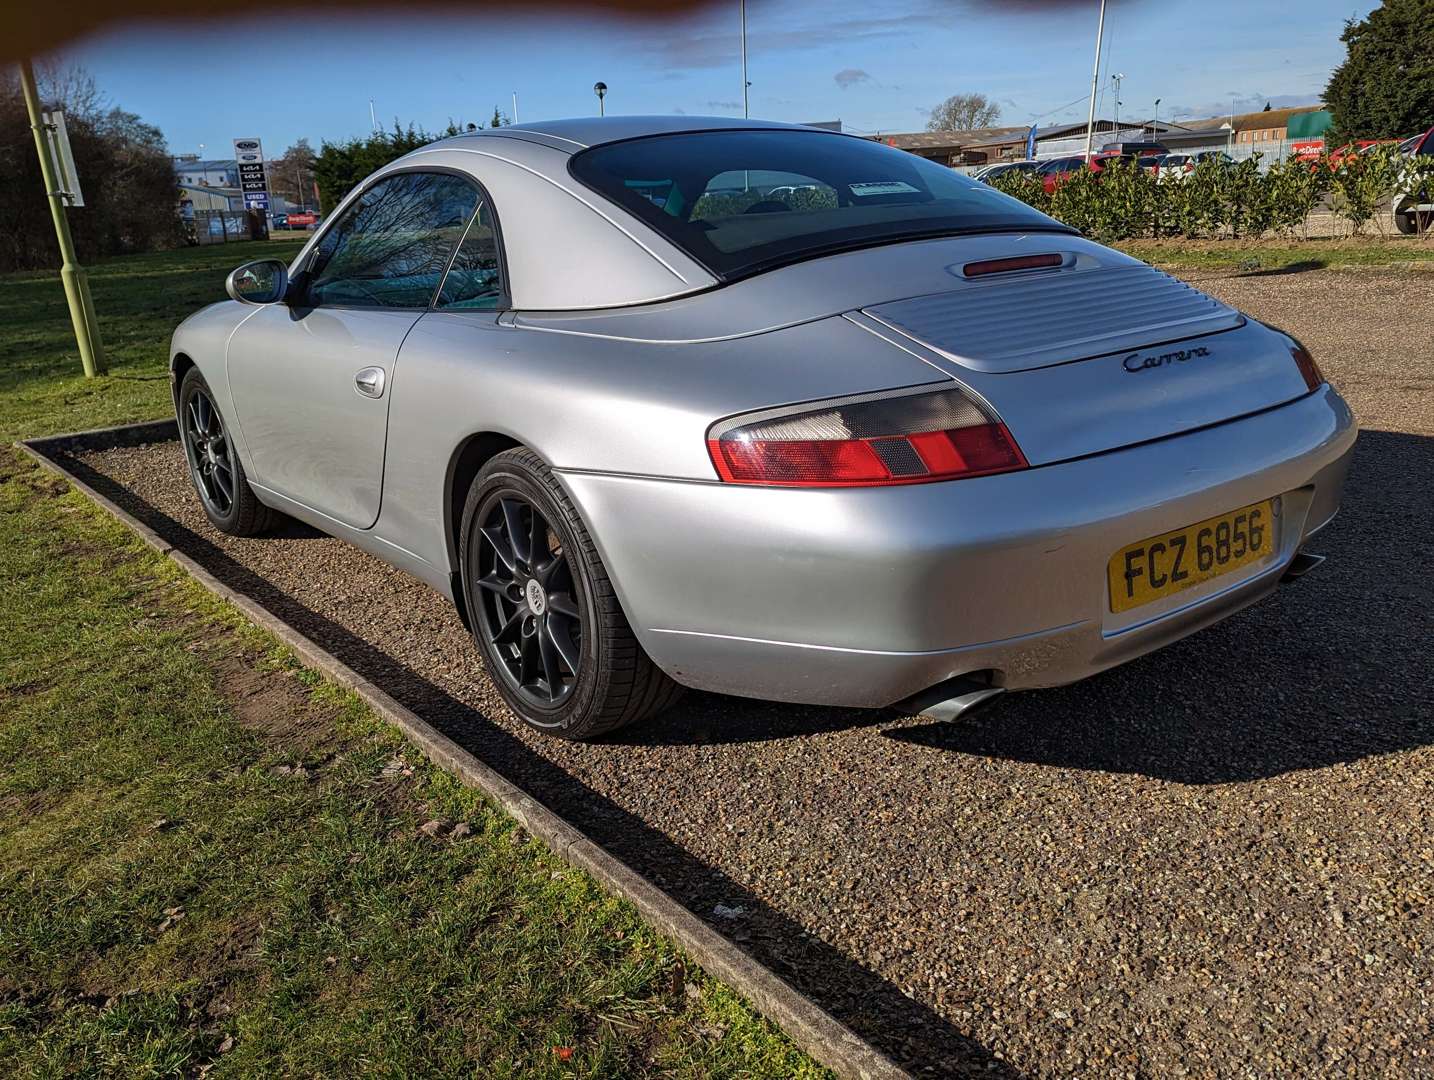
[[743, 201]]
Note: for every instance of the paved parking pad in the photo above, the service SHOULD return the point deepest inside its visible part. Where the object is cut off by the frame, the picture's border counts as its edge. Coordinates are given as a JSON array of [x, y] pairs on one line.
[[1216, 858]]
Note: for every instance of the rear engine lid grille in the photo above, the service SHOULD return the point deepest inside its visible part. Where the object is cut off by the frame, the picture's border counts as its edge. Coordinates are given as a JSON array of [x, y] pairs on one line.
[[1035, 319]]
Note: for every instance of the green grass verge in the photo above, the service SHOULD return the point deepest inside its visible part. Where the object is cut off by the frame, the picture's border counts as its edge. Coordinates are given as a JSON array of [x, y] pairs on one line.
[[139, 300], [211, 862], [1285, 255]]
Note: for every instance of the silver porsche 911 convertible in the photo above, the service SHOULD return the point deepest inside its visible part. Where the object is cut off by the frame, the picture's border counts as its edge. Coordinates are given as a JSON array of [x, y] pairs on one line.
[[759, 409]]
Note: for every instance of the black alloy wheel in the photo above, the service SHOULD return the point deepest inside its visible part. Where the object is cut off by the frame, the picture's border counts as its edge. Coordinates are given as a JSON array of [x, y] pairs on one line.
[[214, 466], [544, 613], [530, 606], [208, 444]]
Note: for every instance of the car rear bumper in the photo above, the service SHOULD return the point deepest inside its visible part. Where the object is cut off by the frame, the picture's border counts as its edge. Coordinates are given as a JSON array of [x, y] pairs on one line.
[[867, 596]]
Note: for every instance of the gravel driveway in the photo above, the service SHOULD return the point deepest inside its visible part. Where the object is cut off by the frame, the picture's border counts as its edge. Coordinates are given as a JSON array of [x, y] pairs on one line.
[[1218, 859]]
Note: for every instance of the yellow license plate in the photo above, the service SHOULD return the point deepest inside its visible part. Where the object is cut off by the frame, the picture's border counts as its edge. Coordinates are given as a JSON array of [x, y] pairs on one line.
[[1159, 566]]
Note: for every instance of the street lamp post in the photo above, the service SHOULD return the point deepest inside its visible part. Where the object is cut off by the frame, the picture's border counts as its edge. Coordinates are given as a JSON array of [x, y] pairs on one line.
[[1116, 78], [1094, 81], [742, 7], [600, 89]]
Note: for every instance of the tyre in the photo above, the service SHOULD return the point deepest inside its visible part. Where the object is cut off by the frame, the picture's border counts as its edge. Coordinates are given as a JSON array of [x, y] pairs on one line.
[[214, 467], [543, 611]]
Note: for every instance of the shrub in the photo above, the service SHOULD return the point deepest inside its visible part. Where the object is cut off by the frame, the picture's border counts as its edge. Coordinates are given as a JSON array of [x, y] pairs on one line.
[[1362, 181], [1193, 205], [1296, 188]]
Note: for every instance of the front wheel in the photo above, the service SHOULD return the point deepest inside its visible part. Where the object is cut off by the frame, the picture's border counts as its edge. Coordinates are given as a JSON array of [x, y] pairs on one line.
[[543, 611], [214, 466]]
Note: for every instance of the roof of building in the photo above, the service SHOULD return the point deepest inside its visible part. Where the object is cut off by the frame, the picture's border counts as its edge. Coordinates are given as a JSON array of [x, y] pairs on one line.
[[1057, 131], [941, 140], [204, 165], [1272, 118]]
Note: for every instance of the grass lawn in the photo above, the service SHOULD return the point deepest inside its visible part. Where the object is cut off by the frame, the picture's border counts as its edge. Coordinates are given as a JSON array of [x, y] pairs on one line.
[[1284, 254], [212, 862], [139, 300]]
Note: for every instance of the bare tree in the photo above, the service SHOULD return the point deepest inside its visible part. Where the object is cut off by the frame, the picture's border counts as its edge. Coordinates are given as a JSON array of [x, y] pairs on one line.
[[963, 112], [292, 175]]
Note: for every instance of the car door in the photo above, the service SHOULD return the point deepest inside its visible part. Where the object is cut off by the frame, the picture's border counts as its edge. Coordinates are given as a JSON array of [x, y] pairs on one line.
[[311, 378]]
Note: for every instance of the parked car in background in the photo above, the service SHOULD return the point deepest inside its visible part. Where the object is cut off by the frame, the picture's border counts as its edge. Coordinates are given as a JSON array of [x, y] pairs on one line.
[[922, 440], [1174, 166], [1143, 155], [1055, 171], [1414, 210], [1133, 149], [279, 221], [990, 173]]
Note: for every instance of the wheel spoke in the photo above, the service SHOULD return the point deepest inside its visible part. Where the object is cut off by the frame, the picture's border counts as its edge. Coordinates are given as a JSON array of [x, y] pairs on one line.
[[559, 633], [494, 535], [548, 651], [495, 584], [510, 629], [537, 539], [562, 603], [526, 665], [555, 573], [517, 535]]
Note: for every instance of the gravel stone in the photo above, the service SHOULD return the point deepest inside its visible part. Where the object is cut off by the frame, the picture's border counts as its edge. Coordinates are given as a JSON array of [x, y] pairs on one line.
[[1218, 859]]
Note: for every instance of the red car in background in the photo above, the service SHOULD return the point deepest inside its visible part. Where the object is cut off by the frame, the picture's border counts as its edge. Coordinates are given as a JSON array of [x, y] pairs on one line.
[[1056, 171]]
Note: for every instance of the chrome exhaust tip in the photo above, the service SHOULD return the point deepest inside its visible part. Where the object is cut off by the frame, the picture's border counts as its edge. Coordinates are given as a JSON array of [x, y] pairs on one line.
[[952, 700], [1301, 564]]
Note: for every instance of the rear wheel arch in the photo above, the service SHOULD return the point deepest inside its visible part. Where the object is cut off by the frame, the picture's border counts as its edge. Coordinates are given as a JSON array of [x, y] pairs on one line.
[[467, 459]]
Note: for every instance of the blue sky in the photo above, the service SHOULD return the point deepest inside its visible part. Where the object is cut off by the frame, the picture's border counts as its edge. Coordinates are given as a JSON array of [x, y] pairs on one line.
[[875, 67]]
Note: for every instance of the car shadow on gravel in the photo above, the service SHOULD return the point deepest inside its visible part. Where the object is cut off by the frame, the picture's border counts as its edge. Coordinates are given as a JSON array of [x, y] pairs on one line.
[[910, 1033], [1334, 668]]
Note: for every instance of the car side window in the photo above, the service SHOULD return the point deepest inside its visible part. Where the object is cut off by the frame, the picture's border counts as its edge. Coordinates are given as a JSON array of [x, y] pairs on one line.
[[392, 245], [475, 280]]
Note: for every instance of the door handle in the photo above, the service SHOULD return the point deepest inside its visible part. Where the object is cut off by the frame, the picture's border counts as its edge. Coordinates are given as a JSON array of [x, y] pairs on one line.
[[369, 382]]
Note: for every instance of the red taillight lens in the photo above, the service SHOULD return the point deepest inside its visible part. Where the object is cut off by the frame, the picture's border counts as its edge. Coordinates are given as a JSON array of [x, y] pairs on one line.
[[903, 438], [1313, 377]]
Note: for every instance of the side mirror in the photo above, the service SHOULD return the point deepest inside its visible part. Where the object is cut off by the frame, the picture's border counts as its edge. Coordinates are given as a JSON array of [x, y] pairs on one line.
[[265, 281]]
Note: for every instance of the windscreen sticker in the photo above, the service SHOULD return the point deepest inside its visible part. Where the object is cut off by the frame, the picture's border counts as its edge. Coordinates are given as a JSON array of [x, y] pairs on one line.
[[882, 187]]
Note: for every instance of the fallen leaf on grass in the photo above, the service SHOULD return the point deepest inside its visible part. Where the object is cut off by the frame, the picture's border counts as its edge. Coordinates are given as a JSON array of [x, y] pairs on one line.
[[172, 915], [461, 830], [563, 1052], [431, 828]]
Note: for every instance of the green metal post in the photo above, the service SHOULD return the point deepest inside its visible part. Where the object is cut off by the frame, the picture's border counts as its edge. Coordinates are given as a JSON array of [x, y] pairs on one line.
[[72, 274]]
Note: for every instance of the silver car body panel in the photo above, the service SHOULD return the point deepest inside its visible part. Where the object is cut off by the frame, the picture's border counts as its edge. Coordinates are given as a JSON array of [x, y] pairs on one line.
[[620, 354], [314, 360], [1069, 313], [867, 596]]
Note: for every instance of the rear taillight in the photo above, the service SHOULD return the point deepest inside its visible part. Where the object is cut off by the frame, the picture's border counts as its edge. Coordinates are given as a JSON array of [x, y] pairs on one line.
[[903, 437], [1313, 377]]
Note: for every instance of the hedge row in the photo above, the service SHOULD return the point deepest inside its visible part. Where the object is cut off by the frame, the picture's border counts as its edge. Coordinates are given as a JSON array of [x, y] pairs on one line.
[[1218, 198]]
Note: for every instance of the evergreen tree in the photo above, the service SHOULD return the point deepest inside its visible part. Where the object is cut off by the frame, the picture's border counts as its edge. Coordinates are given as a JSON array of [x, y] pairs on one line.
[[1385, 87]]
